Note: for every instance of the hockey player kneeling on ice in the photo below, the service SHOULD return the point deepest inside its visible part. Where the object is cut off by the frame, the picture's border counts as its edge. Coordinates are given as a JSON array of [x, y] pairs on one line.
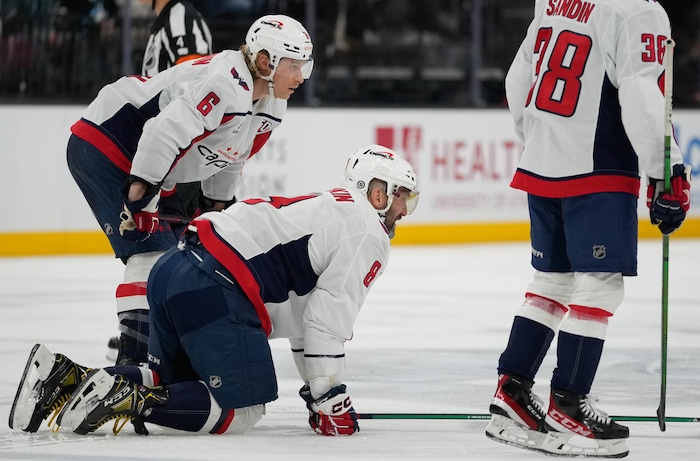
[[273, 267], [584, 93]]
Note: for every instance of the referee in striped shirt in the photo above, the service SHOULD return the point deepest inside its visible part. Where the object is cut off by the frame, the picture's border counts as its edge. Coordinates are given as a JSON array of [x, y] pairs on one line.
[[179, 33]]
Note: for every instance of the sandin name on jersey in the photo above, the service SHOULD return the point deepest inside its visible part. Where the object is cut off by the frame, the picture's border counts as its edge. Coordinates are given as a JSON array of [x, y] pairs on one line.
[[573, 9]]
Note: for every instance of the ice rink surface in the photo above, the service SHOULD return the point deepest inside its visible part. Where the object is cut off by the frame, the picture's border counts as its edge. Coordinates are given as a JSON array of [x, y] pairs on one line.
[[427, 340]]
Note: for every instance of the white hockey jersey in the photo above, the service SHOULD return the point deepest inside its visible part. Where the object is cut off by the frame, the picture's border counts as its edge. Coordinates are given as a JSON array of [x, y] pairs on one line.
[[306, 263], [178, 32], [196, 121], [586, 94]]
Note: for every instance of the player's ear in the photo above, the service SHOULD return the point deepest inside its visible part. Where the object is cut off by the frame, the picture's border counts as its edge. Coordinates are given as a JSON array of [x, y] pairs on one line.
[[262, 63], [377, 198]]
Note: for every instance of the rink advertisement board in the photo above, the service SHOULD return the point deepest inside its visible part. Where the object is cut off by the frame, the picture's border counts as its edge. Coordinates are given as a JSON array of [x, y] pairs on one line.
[[464, 160]]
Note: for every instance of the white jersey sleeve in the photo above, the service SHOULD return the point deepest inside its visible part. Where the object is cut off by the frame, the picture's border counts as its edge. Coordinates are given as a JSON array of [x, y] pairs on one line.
[[341, 289], [640, 75], [223, 185]]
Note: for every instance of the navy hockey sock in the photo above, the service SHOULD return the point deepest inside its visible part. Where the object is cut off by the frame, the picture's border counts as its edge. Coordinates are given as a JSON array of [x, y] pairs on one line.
[[577, 362], [527, 346], [187, 409]]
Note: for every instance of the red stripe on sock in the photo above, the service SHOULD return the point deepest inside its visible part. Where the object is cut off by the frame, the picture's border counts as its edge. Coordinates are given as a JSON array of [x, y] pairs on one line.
[[226, 423], [131, 289]]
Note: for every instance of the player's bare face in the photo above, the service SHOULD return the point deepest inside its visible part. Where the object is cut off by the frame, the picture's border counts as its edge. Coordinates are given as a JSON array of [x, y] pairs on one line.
[[398, 208], [290, 74]]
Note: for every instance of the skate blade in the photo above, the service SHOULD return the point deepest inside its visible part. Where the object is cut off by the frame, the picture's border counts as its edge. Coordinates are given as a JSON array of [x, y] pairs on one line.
[[568, 444], [505, 430], [36, 371], [85, 398]]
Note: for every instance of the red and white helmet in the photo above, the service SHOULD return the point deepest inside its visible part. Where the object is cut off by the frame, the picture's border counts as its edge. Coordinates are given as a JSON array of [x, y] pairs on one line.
[[375, 161], [282, 37]]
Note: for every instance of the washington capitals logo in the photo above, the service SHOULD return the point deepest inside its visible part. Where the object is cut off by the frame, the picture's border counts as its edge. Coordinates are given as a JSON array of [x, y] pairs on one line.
[[275, 24], [236, 76], [380, 153]]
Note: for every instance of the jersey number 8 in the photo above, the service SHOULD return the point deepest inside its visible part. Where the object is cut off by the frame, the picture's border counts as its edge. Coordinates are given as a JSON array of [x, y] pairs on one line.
[[560, 85]]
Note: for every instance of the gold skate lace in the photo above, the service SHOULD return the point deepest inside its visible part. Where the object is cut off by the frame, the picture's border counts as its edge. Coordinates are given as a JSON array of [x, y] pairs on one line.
[[119, 423], [55, 410]]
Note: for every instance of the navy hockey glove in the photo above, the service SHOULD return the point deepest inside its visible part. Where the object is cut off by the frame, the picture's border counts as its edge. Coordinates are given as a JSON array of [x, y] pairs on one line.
[[139, 218], [332, 413], [668, 210], [206, 204]]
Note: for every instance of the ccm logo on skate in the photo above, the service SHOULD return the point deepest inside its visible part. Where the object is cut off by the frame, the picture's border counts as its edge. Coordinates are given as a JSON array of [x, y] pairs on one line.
[[569, 424], [118, 396]]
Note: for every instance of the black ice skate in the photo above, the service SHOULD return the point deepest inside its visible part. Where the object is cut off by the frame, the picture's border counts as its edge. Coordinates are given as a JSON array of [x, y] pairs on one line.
[[577, 428], [47, 383], [102, 397], [517, 414]]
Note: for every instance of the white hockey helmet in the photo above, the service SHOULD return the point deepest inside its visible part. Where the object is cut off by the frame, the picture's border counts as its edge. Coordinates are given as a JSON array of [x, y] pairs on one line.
[[282, 37], [375, 161]]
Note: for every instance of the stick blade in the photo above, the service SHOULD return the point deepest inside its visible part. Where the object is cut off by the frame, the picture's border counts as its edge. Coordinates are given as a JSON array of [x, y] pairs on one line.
[[661, 414]]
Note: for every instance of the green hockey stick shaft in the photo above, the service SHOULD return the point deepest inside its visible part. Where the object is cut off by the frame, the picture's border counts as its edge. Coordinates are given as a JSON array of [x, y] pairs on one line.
[[668, 132], [486, 416]]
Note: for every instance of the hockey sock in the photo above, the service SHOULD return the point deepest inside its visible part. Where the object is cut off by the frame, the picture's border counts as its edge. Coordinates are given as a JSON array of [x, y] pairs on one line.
[[188, 408], [135, 374], [527, 345], [134, 328], [577, 362]]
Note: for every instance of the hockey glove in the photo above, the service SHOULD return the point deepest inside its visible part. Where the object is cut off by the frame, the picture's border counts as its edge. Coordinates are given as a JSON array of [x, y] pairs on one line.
[[206, 204], [139, 218], [668, 210], [332, 413]]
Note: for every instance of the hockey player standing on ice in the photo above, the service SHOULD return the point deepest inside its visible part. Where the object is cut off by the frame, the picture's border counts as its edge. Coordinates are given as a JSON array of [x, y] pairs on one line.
[[273, 267], [197, 121], [586, 94], [178, 34]]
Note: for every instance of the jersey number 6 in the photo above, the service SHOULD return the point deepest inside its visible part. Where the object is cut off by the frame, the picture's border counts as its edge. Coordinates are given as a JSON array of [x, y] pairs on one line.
[[207, 104]]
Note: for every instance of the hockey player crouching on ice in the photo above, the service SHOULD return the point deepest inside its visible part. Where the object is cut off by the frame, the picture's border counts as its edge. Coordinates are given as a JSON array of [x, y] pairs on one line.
[[273, 267]]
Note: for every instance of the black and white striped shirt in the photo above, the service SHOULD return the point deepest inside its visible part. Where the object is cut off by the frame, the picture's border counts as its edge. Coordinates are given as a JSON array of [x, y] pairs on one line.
[[178, 32]]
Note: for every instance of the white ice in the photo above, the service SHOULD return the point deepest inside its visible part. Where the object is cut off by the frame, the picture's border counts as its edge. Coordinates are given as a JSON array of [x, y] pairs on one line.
[[426, 341]]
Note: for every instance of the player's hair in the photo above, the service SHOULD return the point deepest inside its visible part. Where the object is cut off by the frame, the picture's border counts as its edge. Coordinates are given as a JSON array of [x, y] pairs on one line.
[[252, 67]]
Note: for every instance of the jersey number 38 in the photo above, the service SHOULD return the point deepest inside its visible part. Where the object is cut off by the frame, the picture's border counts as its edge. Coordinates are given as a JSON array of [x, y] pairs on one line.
[[559, 87]]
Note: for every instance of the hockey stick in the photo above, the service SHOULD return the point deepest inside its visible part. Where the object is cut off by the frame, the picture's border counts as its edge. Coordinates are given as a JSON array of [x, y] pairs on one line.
[[174, 219], [668, 132], [486, 416]]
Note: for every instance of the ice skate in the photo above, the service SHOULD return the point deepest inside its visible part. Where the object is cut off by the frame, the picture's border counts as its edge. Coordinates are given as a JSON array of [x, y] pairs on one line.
[[102, 397], [47, 383], [577, 428], [517, 414]]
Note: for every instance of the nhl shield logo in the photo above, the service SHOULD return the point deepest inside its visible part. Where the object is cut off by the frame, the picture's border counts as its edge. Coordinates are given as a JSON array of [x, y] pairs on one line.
[[599, 251], [214, 381]]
